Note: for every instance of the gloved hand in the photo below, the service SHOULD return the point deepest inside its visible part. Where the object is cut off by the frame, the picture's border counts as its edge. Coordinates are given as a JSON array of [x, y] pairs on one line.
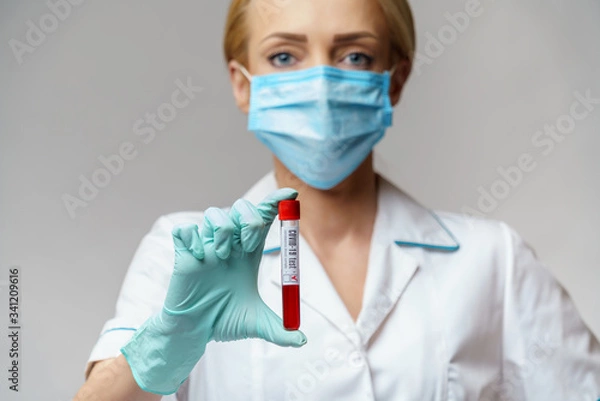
[[212, 295]]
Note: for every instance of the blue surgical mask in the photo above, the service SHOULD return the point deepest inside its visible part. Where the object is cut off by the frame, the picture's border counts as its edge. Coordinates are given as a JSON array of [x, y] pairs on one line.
[[321, 122]]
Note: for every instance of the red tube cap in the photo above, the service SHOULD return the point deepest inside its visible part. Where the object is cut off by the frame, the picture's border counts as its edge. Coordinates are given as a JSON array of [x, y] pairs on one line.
[[289, 210]]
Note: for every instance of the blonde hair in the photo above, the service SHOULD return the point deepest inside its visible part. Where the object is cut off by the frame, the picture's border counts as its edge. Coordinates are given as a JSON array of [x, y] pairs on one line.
[[398, 16]]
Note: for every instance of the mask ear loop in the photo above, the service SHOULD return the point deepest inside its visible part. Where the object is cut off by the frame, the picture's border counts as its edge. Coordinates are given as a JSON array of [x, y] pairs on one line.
[[244, 71], [393, 70]]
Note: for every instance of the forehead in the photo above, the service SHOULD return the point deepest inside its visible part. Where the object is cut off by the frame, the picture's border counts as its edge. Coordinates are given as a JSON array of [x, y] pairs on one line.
[[314, 17]]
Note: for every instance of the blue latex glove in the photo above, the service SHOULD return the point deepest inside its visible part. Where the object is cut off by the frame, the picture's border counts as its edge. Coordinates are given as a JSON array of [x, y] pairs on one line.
[[212, 295]]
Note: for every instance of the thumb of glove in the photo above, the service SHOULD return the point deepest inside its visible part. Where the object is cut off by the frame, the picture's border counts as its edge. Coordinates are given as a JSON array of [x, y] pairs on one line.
[[269, 327]]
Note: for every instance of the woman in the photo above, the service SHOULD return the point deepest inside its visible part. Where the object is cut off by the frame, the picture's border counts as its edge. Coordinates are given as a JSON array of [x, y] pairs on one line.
[[398, 303]]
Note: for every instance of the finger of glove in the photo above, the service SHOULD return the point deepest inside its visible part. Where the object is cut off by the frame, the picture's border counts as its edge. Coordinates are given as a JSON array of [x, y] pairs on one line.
[[268, 207], [186, 238], [218, 229], [270, 328], [250, 224]]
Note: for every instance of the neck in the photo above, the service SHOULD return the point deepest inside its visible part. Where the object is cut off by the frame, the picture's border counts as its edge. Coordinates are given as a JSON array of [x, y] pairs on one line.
[[330, 216]]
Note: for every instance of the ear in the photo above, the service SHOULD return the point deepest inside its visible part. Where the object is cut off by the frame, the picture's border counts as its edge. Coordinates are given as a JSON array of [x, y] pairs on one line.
[[240, 86], [397, 80]]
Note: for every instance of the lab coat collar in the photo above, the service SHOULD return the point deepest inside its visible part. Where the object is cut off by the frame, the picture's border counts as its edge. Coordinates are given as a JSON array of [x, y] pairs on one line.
[[403, 220]]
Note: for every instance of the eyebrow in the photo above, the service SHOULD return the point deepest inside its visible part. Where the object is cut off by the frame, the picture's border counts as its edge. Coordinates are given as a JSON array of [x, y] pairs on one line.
[[348, 37], [343, 37], [289, 36]]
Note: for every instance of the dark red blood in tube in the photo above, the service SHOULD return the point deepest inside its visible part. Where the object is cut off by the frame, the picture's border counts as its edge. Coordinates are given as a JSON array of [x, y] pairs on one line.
[[291, 307]]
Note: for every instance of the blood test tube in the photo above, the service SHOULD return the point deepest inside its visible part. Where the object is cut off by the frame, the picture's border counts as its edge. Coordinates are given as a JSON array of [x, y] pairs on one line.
[[289, 215]]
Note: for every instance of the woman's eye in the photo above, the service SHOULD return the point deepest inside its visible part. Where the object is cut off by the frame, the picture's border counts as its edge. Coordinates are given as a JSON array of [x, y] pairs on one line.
[[281, 59], [358, 60]]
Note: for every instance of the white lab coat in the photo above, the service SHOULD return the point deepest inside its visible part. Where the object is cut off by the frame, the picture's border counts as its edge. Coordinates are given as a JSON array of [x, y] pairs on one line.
[[454, 308]]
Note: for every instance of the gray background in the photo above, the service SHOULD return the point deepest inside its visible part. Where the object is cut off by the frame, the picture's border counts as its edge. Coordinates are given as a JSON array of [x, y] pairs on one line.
[[474, 108]]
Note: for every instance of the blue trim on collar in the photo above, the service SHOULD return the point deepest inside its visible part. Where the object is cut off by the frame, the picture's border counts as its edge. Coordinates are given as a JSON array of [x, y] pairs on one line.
[[271, 250], [428, 246], [118, 328], [452, 248]]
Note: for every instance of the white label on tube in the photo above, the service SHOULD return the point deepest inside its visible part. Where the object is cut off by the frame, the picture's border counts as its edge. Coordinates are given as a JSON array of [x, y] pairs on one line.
[[290, 273]]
